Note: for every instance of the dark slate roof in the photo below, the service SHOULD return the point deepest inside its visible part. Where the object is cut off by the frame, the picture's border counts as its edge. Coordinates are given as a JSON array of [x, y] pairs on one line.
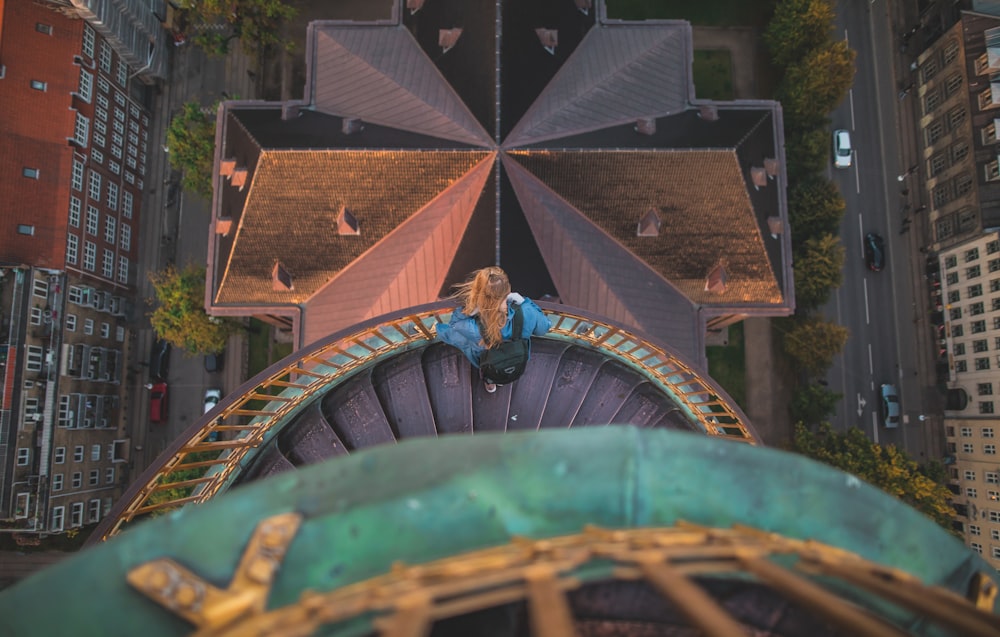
[[701, 199], [292, 203], [617, 74], [380, 74]]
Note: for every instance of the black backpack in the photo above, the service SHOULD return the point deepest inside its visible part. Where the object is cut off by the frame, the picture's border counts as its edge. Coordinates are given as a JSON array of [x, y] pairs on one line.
[[505, 363]]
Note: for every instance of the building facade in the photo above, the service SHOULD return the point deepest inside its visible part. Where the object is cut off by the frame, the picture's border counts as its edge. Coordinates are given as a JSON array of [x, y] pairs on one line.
[[73, 150]]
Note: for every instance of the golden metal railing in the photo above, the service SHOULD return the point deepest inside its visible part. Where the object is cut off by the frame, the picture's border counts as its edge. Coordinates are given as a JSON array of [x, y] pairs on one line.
[[197, 468]]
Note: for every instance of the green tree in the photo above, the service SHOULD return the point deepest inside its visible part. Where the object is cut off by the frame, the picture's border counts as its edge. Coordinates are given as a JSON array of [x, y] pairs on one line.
[[812, 404], [818, 266], [885, 467], [816, 84], [797, 28], [256, 23], [815, 208], [812, 343], [806, 152], [191, 146], [180, 316]]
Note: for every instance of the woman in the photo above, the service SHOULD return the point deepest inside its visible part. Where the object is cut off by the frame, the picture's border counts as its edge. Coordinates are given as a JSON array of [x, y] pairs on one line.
[[484, 319]]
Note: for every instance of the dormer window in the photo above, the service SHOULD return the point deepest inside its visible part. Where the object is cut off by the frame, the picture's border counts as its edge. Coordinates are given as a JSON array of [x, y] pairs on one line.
[[549, 39], [281, 278], [347, 223], [649, 224], [448, 38]]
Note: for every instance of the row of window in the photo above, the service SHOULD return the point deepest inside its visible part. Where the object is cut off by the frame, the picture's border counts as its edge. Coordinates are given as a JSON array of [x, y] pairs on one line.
[[76, 479], [975, 327], [88, 327], [991, 477], [978, 548], [59, 456], [972, 492], [108, 263], [58, 518], [967, 447], [935, 96]]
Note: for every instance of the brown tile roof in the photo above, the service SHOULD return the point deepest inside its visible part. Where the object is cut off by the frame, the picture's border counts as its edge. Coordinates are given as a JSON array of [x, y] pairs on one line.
[[291, 209], [380, 74], [703, 204], [617, 74]]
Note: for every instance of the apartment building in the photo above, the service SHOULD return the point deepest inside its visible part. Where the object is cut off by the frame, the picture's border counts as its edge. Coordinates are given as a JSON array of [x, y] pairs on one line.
[[73, 147]]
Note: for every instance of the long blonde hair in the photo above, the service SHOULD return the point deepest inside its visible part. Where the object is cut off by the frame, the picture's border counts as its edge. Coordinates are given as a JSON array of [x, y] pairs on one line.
[[484, 293]]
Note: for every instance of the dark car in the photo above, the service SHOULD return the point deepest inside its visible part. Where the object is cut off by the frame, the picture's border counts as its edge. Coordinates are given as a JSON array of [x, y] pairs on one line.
[[158, 402], [215, 362], [159, 359], [874, 252]]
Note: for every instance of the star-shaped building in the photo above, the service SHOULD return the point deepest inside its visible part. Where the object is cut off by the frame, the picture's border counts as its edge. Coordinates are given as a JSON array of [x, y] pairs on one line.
[[566, 147]]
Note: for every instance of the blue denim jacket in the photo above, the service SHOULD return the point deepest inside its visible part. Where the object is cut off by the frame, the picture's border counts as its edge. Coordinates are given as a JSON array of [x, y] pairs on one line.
[[463, 331]]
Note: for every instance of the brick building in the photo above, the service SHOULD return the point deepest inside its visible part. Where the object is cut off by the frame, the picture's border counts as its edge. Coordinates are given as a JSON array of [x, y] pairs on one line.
[[73, 147]]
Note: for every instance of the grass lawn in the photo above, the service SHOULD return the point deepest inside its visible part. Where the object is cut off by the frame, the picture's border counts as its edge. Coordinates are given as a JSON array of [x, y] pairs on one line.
[[726, 365], [713, 75], [715, 13]]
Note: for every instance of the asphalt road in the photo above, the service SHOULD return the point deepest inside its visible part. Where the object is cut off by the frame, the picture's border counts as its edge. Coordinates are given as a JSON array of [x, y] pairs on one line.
[[877, 307]]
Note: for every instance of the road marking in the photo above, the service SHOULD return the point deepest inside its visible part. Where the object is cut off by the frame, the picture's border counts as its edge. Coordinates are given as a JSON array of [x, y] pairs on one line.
[[850, 94], [868, 320], [861, 405], [875, 426], [861, 233], [847, 39], [857, 175], [871, 368]]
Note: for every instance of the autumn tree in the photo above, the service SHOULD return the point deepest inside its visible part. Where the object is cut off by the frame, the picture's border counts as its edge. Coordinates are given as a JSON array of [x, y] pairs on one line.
[[811, 344], [180, 316], [255, 23], [815, 207], [812, 404], [191, 146], [885, 467], [818, 269], [797, 28], [816, 84]]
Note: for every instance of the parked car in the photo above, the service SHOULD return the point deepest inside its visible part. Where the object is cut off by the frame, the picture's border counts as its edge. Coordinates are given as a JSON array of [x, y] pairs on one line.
[[158, 402], [890, 406], [159, 360], [212, 398], [215, 362], [874, 252], [842, 150]]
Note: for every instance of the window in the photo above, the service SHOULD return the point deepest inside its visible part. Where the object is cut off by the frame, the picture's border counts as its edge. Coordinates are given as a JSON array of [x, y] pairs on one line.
[[952, 84], [40, 288], [951, 262], [119, 330], [975, 546], [88, 326], [94, 511], [122, 269], [103, 85], [970, 476], [76, 514], [942, 194], [94, 478], [77, 479], [74, 213], [976, 309], [95, 452], [126, 237], [955, 117], [109, 475], [120, 114], [86, 85], [97, 156], [95, 185], [978, 327], [970, 492], [931, 101], [972, 272], [89, 256], [985, 99], [990, 450], [72, 249], [985, 389], [130, 162], [934, 131], [960, 366], [33, 360], [987, 432], [36, 316], [81, 130], [75, 294], [127, 207], [57, 482], [105, 57], [56, 521], [60, 455], [967, 447], [23, 456], [92, 220], [30, 173], [982, 364], [122, 73], [963, 184], [77, 178], [993, 247], [988, 134], [994, 534], [995, 306], [113, 197], [105, 330], [38, 85], [956, 331], [108, 264], [115, 167], [986, 407], [70, 324], [88, 41], [111, 230], [102, 116], [78, 453], [952, 278], [954, 296], [955, 313], [974, 290], [929, 68], [992, 477]]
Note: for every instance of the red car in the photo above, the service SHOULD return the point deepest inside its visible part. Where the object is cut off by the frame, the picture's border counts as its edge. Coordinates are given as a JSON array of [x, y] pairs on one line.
[[158, 402]]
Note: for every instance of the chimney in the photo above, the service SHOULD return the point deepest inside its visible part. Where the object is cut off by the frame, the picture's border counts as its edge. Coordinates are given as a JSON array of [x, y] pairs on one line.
[[649, 224], [351, 125], [414, 5], [239, 177], [281, 279], [290, 110], [549, 39], [715, 282], [223, 225], [775, 226], [447, 38], [226, 167], [645, 125], [583, 6], [758, 177], [771, 167], [347, 224], [708, 112]]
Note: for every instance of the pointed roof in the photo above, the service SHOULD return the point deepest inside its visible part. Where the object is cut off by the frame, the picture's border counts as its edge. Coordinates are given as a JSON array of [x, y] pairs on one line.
[[703, 203], [381, 75], [617, 74], [295, 198], [594, 271]]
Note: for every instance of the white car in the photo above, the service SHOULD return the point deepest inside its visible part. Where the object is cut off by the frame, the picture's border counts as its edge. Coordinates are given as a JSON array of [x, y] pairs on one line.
[[842, 151], [212, 398]]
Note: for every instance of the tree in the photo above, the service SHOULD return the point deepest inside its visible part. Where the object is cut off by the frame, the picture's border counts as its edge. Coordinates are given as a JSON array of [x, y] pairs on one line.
[[815, 208], [806, 152], [815, 85], [885, 467], [256, 23], [813, 404], [812, 343], [180, 316], [797, 28], [818, 269], [191, 146]]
